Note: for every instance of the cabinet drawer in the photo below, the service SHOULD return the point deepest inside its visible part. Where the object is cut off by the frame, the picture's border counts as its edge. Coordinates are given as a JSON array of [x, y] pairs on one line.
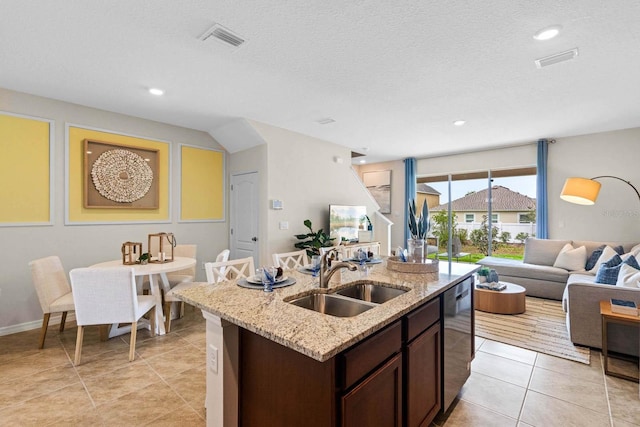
[[366, 356], [420, 319]]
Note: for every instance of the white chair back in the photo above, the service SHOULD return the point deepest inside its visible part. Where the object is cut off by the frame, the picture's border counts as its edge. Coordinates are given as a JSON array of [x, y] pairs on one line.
[[49, 280], [340, 249], [229, 270], [104, 295], [188, 251], [291, 260]]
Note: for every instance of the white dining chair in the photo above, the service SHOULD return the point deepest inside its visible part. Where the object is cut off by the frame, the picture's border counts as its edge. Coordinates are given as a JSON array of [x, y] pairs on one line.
[[53, 289], [230, 270], [187, 274], [291, 260], [170, 297], [106, 296]]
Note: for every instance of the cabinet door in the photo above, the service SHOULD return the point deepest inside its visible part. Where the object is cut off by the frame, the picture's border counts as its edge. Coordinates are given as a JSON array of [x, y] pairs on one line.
[[377, 400], [423, 377]]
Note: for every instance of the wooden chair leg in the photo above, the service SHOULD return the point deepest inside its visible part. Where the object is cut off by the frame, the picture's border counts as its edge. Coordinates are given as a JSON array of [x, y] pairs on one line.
[[104, 332], [167, 317], [132, 344], [79, 338], [43, 332], [63, 320], [152, 321]]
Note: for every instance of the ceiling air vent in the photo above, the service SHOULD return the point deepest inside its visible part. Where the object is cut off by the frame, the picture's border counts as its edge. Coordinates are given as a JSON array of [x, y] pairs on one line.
[[222, 34], [558, 57]]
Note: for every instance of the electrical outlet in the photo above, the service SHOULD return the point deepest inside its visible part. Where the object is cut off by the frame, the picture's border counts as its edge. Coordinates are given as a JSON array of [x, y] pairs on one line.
[[213, 358]]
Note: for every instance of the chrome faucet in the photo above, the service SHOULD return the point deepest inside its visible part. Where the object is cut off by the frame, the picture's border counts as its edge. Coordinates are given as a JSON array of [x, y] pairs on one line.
[[325, 273]]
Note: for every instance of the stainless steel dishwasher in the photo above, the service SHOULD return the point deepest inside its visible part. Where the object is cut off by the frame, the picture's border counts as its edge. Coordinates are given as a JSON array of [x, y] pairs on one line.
[[457, 339]]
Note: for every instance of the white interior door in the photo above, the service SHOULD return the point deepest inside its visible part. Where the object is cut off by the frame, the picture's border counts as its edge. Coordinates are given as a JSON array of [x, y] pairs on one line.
[[244, 216]]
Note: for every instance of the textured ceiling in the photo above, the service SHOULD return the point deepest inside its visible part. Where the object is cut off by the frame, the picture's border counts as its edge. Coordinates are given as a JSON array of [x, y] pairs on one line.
[[393, 75]]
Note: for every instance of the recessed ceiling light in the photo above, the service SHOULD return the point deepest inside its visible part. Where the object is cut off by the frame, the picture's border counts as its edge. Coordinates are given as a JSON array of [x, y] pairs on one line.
[[363, 161], [547, 33], [459, 122], [155, 91]]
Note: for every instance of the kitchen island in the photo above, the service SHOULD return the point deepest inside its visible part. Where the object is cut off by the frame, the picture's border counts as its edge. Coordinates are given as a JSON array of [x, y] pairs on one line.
[[270, 360]]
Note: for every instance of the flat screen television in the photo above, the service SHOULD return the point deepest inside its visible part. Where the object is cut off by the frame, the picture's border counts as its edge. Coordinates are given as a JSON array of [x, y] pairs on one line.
[[345, 221]]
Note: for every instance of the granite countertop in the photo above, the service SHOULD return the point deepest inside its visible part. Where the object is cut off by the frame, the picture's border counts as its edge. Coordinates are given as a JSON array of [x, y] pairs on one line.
[[317, 335]]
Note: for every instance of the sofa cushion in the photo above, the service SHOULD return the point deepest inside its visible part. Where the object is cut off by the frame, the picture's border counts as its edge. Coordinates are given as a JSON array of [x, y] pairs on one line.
[[571, 258], [608, 271], [607, 253], [542, 251], [516, 268], [628, 276]]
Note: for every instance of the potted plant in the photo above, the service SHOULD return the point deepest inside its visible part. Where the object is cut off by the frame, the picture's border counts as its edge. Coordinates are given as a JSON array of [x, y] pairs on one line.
[[418, 228], [368, 221], [313, 240], [144, 258]]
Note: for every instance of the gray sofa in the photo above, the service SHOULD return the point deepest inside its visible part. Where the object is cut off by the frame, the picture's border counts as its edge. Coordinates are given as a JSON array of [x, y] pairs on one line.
[[577, 290]]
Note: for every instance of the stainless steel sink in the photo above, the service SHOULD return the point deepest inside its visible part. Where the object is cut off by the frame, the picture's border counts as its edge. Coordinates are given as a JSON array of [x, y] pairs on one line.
[[371, 292], [334, 305]]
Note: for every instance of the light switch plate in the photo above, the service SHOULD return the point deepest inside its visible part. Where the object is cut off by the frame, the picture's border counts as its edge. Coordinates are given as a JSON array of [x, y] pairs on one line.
[[284, 225]]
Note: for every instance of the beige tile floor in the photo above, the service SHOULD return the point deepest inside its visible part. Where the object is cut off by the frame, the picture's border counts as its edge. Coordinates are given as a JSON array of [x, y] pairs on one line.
[[165, 384], [511, 386]]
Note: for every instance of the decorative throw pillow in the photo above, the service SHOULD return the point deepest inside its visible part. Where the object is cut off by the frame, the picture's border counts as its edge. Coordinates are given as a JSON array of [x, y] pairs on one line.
[[593, 258], [608, 271], [619, 249], [571, 259], [607, 254], [628, 277], [632, 261]]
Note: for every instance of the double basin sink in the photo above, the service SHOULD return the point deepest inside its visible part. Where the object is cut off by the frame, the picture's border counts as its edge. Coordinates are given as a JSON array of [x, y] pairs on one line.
[[349, 301]]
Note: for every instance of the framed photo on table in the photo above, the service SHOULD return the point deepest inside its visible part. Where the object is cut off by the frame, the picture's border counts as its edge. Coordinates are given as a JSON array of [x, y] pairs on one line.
[[120, 176], [379, 185]]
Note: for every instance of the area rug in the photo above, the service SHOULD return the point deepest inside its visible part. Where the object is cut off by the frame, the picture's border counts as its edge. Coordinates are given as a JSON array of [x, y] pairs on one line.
[[541, 328]]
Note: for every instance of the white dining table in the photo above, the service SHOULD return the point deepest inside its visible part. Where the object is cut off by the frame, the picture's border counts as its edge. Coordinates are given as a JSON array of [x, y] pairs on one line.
[[157, 274]]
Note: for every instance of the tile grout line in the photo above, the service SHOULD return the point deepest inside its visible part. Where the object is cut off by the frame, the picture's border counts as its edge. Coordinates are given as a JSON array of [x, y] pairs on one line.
[[526, 390]]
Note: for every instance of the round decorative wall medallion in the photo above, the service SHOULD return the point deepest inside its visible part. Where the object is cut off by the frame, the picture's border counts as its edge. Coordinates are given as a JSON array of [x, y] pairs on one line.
[[121, 176]]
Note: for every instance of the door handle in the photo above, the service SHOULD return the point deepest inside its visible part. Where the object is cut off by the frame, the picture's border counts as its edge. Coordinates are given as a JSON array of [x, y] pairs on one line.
[[255, 239]]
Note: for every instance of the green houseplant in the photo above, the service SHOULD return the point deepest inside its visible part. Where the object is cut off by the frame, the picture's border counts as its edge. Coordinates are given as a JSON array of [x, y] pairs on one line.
[[313, 240], [418, 228]]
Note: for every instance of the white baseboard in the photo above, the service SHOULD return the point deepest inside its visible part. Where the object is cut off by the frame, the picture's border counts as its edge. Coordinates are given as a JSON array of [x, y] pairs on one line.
[[35, 324]]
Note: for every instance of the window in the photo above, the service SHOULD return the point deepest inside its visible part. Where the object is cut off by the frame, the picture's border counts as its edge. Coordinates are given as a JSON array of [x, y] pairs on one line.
[[527, 218], [469, 217], [494, 218]]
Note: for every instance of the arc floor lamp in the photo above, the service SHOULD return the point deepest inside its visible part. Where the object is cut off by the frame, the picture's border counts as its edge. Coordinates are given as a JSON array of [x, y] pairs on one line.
[[584, 191]]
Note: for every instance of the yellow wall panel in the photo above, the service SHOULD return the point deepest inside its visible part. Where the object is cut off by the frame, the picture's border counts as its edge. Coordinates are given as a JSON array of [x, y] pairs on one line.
[[202, 184], [77, 213], [24, 170]]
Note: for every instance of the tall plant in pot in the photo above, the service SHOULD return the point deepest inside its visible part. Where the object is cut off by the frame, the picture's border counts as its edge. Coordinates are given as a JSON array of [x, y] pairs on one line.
[[418, 228]]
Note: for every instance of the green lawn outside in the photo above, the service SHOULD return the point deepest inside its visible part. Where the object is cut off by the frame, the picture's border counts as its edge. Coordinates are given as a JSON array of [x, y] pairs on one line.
[[510, 251]]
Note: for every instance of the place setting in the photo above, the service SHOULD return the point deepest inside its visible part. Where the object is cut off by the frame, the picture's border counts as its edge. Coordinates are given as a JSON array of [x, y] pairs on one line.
[[267, 279]]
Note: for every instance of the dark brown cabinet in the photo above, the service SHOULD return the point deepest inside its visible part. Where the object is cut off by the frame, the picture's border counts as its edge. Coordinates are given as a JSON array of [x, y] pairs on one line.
[[377, 400], [392, 378], [423, 377]]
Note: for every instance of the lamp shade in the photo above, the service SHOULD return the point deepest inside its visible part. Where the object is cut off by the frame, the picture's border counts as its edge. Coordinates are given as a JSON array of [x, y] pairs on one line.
[[581, 191]]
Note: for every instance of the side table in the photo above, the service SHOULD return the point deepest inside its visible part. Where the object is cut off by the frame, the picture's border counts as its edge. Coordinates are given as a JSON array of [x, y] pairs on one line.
[[508, 301], [622, 319]]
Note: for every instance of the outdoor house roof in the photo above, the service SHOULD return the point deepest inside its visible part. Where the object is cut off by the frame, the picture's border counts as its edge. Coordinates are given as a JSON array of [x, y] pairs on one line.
[[504, 199], [426, 189]]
